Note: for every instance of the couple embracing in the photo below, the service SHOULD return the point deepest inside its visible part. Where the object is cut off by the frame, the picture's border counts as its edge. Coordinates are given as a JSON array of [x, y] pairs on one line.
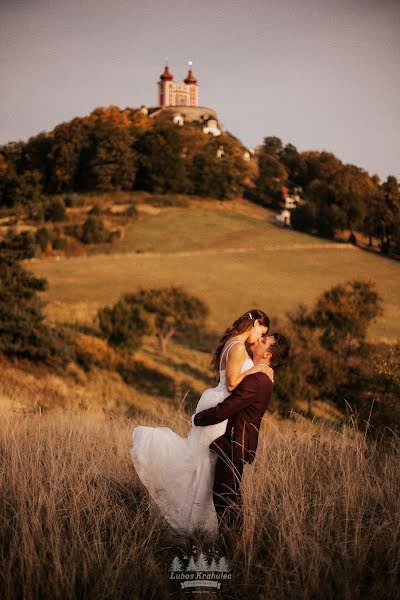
[[195, 480]]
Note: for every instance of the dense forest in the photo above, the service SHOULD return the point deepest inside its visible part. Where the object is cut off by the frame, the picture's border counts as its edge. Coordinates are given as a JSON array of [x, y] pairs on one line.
[[114, 149]]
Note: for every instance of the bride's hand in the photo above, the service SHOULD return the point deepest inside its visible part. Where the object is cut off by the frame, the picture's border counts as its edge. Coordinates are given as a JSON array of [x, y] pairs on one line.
[[260, 368]]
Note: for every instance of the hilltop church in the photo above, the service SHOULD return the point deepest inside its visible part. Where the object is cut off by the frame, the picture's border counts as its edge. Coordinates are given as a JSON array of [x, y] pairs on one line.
[[181, 102]]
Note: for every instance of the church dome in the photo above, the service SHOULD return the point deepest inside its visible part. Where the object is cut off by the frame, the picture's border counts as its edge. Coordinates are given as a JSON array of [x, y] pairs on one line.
[[166, 76], [190, 78]]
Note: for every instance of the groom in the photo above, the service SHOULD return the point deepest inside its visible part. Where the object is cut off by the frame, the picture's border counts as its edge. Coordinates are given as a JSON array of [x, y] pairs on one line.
[[244, 409]]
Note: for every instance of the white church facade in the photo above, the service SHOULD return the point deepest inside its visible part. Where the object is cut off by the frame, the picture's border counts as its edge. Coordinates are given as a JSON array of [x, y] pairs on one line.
[[177, 94]]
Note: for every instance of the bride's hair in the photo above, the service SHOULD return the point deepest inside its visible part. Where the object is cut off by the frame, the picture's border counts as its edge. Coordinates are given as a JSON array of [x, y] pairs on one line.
[[242, 324]]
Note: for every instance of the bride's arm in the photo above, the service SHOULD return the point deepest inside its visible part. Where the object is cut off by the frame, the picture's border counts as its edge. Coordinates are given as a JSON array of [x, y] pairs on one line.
[[236, 356]]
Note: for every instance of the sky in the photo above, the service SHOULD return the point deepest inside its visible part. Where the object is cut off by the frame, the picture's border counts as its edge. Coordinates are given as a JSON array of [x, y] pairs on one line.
[[319, 74]]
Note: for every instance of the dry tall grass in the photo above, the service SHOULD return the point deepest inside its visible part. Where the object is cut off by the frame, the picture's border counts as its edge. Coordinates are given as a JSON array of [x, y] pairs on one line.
[[322, 513]]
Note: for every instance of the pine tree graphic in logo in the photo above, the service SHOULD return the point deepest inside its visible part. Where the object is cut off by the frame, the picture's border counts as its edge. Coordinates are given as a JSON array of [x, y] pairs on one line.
[[176, 565], [202, 563], [213, 565], [192, 565], [223, 565]]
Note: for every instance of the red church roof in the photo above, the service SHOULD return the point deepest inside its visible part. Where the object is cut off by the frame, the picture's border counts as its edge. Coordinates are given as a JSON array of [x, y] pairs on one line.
[[166, 76], [190, 78]]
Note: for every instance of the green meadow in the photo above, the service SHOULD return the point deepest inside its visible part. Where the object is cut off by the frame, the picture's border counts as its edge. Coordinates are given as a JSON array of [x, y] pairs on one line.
[[233, 261]]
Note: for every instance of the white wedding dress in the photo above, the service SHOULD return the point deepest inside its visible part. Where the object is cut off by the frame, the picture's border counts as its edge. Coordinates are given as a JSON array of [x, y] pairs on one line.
[[179, 472]]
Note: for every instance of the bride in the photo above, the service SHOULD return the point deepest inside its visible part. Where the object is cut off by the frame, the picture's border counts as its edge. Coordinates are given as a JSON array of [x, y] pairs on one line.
[[179, 472]]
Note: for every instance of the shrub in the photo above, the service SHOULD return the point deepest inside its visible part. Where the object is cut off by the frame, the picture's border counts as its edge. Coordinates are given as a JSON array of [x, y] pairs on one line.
[[55, 211], [124, 325], [43, 237], [73, 200], [94, 231], [37, 213], [175, 311], [114, 235], [377, 401], [74, 231], [95, 210], [60, 243], [131, 211], [167, 200]]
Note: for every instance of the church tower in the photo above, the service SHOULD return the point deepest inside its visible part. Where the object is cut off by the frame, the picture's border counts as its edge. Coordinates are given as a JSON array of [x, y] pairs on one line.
[[193, 90], [166, 88]]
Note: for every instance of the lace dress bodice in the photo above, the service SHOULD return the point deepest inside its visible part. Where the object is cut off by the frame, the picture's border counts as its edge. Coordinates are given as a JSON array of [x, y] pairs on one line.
[[212, 397], [247, 364]]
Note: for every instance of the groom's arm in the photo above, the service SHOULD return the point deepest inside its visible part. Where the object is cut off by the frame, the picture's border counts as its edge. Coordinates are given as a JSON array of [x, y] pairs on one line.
[[242, 396]]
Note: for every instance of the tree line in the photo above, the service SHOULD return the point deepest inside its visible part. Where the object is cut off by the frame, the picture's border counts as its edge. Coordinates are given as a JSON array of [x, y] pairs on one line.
[[336, 196], [110, 150], [114, 149]]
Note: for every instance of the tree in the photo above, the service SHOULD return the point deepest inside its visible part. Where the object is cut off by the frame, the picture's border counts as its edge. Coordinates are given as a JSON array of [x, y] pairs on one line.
[[34, 155], [161, 166], [375, 217], [23, 331], [217, 176], [19, 245], [382, 219], [353, 189], [326, 220], [175, 311], [345, 310], [329, 353], [125, 324], [109, 162], [390, 227], [294, 163], [271, 176], [23, 191], [70, 141], [272, 146], [303, 217], [318, 165], [319, 214]]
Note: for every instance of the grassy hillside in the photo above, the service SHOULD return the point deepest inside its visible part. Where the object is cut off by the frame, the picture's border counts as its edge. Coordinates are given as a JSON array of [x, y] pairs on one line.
[[231, 254]]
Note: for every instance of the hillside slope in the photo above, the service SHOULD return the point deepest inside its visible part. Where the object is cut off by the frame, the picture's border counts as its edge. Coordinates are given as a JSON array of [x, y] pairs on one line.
[[231, 257]]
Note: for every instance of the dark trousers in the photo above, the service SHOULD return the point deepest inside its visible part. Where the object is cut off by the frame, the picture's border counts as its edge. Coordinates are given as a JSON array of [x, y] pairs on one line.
[[226, 493]]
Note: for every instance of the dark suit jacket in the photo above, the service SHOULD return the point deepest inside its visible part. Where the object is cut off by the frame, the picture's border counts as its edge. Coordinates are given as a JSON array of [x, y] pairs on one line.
[[244, 409]]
